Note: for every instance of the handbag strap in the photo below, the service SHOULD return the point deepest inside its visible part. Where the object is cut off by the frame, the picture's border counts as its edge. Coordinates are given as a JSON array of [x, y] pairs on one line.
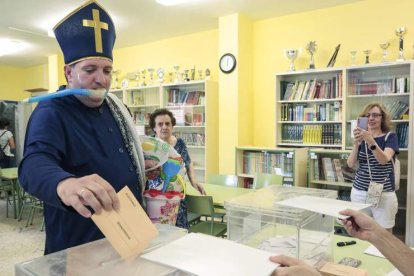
[[369, 167], [7, 140]]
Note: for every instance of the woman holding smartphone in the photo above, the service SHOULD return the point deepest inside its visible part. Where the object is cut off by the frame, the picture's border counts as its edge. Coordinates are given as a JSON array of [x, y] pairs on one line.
[[374, 147]]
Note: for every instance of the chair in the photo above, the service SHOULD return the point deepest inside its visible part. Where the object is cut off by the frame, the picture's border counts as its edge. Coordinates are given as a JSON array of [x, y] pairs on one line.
[[223, 179], [33, 204], [7, 188], [264, 179], [203, 205]]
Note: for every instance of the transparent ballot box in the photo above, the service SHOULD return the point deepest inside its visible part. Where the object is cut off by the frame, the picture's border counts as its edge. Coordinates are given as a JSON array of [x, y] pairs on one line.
[[255, 220], [99, 258]]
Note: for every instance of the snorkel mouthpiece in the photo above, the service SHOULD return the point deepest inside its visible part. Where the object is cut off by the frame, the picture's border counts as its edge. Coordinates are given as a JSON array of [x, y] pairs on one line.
[[102, 92]]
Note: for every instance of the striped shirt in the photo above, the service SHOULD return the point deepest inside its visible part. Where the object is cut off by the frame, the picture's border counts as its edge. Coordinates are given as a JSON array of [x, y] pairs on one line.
[[379, 173]]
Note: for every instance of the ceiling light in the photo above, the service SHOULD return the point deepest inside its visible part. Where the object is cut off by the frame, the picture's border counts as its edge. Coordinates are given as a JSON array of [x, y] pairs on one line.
[[10, 46], [173, 2]]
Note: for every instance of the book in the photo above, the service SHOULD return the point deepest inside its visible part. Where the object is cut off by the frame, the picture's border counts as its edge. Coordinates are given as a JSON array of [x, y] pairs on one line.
[[328, 169], [338, 169]]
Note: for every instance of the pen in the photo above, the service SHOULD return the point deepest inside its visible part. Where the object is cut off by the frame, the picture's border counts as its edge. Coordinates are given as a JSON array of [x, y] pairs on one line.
[[345, 243]]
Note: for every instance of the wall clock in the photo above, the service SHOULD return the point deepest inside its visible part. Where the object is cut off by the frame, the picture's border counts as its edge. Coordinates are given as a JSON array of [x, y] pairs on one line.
[[227, 63]]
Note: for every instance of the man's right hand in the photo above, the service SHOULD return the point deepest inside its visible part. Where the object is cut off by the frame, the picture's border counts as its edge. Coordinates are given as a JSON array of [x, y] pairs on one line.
[[360, 225], [91, 190]]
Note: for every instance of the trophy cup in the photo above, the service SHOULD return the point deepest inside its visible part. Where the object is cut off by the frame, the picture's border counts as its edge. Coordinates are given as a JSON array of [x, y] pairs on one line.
[[115, 84], [311, 48], [367, 53], [400, 32], [384, 46], [143, 72], [160, 75], [176, 74], [200, 74], [137, 77], [353, 56], [207, 74], [186, 76], [151, 73], [291, 55]]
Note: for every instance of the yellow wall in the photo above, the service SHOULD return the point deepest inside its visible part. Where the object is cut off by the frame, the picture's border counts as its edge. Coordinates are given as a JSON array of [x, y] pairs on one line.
[[15, 80], [362, 25], [11, 83], [199, 50]]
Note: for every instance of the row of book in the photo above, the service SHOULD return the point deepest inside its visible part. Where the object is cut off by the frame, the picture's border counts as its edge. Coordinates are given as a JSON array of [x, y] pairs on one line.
[[402, 134], [301, 90], [361, 86], [192, 139], [318, 112], [141, 117], [180, 97], [264, 162], [331, 169], [397, 109], [327, 134]]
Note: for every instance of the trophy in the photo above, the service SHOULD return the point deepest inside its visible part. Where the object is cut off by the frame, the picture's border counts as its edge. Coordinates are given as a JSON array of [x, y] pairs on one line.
[[291, 55], [151, 72], [177, 74], [143, 72], [353, 56], [186, 76], [160, 75], [115, 84], [384, 46], [400, 32], [311, 48], [137, 77], [207, 74], [367, 53], [200, 74]]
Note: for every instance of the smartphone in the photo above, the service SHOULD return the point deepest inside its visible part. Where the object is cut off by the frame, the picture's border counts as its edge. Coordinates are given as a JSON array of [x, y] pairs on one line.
[[363, 122]]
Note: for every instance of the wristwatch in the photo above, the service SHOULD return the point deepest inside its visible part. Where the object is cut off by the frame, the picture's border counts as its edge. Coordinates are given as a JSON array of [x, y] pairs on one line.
[[373, 147]]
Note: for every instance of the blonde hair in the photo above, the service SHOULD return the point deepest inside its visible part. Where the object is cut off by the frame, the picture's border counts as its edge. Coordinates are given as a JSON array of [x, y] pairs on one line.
[[385, 115]]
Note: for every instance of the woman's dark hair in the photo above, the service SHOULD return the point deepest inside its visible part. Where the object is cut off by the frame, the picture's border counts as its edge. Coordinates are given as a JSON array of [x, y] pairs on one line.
[[4, 123], [159, 112]]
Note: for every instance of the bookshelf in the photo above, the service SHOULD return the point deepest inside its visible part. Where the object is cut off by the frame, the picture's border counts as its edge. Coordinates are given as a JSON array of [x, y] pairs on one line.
[[327, 169], [391, 85], [196, 115], [284, 161], [323, 124], [309, 108], [142, 101]]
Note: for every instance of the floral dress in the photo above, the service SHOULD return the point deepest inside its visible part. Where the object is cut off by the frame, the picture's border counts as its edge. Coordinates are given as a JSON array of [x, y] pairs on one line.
[[181, 148]]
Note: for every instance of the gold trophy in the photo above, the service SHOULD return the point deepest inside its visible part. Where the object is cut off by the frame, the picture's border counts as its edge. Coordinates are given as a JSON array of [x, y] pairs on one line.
[[400, 32], [311, 48], [384, 46], [367, 53]]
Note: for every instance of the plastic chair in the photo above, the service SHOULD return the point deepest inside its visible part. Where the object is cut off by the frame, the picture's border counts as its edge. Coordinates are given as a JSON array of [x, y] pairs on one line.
[[6, 187], [33, 204], [223, 179], [264, 179], [203, 205]]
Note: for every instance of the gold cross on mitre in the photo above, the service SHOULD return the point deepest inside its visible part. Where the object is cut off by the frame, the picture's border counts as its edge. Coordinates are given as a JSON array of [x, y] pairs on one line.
[[97, 25]]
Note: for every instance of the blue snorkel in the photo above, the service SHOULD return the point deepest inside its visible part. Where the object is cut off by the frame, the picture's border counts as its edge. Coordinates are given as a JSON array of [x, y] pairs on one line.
[[62, 93]]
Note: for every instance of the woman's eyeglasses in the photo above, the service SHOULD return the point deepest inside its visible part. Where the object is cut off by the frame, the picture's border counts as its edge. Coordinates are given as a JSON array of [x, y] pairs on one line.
[[373, 115]]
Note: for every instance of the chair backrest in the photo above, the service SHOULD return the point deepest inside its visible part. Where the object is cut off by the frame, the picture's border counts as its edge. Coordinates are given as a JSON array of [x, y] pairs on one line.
[[264, 179], [223, 179], [202, 205]]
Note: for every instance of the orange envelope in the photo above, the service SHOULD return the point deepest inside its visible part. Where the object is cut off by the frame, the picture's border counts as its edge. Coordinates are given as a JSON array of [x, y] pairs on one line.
[[129, 230]]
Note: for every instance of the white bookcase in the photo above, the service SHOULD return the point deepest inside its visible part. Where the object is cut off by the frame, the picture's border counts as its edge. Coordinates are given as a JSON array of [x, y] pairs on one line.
[[302, 120], [195, 107]]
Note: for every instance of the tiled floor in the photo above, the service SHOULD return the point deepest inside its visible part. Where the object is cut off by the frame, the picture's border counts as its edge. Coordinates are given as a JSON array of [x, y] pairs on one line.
[[18, 243]]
